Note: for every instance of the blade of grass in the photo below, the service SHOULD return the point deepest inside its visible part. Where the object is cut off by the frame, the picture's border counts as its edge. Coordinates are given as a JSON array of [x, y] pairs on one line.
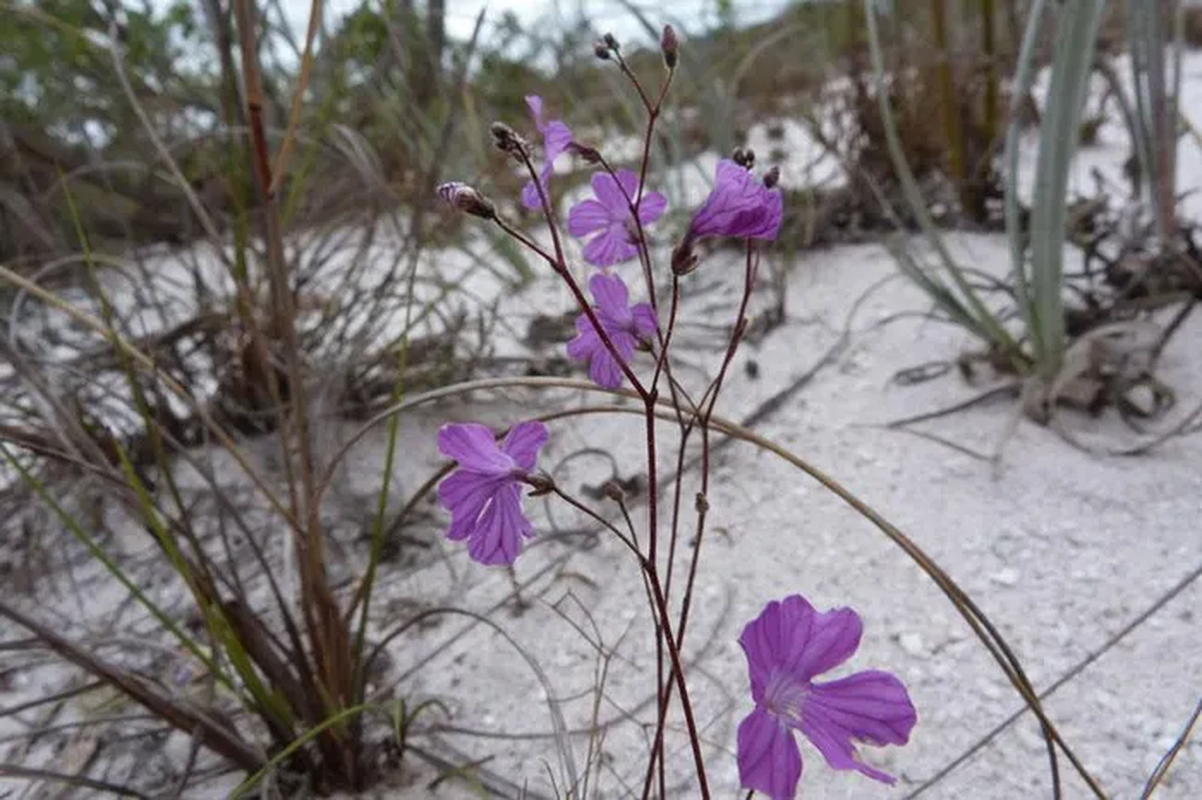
[[1076, 38]]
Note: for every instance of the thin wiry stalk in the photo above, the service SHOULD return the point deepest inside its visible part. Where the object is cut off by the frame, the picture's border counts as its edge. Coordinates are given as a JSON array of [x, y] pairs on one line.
[[1075, 42], [1166, 762]]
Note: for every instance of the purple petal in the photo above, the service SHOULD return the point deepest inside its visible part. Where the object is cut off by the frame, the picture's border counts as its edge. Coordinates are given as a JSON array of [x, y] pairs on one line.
[[586, 217], [644, 320], [498, 536], [612, 246], [652, 207], [474, 447], [530, 196], [465, 494], [871, 707], [603, 368], [739, 206], [611, 295], [764, 222], [586, 342], [523, 442], [556, 138], [769, 761], [535, 104], [791, 637], [611, 196]]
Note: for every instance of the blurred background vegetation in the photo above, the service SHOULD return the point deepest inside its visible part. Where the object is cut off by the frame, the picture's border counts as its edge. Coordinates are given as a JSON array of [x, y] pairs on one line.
[[416, 96]]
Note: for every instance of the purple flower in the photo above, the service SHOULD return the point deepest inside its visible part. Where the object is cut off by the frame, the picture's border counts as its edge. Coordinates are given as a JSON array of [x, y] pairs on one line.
[[787, 646], [556, 138], [484, 495], [623, 324], [610, 214], [739, 206]]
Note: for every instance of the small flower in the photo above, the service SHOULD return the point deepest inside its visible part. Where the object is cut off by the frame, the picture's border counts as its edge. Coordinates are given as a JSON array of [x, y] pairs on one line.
[[610, 214], [623, 324], [467, 199], [556, 138], [484, 495], [739, 206], [787, 646]]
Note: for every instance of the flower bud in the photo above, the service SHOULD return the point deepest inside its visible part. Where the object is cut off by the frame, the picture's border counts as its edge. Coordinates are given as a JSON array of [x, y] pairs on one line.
[[614, 492], [507, 140], [684, 260], [591, 155], [669, 46], [466, 199], [610, 41], [601, 50], [772, 178]]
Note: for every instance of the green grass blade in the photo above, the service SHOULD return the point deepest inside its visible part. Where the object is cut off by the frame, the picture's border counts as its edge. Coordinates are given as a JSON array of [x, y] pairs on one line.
[[1076, 38]]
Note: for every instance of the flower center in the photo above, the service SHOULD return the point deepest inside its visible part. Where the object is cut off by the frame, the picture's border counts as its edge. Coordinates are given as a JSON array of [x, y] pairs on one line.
[[784, 697]]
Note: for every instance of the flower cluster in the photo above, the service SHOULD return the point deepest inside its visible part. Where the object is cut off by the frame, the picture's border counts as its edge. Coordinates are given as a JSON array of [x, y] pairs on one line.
[[789, 644]]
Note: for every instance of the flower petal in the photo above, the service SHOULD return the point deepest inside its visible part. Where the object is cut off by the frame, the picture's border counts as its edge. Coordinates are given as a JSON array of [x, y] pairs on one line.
[[773, 214], [474, 447], [611, 196], [790, 636], [611, 246], [535, 104], [498, 537], [652, 207], [587, 216], [644, 320], [530, 196], [871, 707], [556, 138], [611, 295], [523, 442], [739, 206], [769, 761], [586, 342], [604, 370], [465, 494]]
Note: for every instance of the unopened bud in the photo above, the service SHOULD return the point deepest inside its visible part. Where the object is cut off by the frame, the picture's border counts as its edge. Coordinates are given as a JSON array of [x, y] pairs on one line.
[[683, 259], [669, 46], [468, 200], [610, 41], [772, 178], [743, 157], [507, 140], [614, 492], [601, 50], [590, 154]]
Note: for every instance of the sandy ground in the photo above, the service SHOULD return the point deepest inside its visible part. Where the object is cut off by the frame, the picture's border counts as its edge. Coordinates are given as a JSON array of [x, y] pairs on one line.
[[1064, 550]]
